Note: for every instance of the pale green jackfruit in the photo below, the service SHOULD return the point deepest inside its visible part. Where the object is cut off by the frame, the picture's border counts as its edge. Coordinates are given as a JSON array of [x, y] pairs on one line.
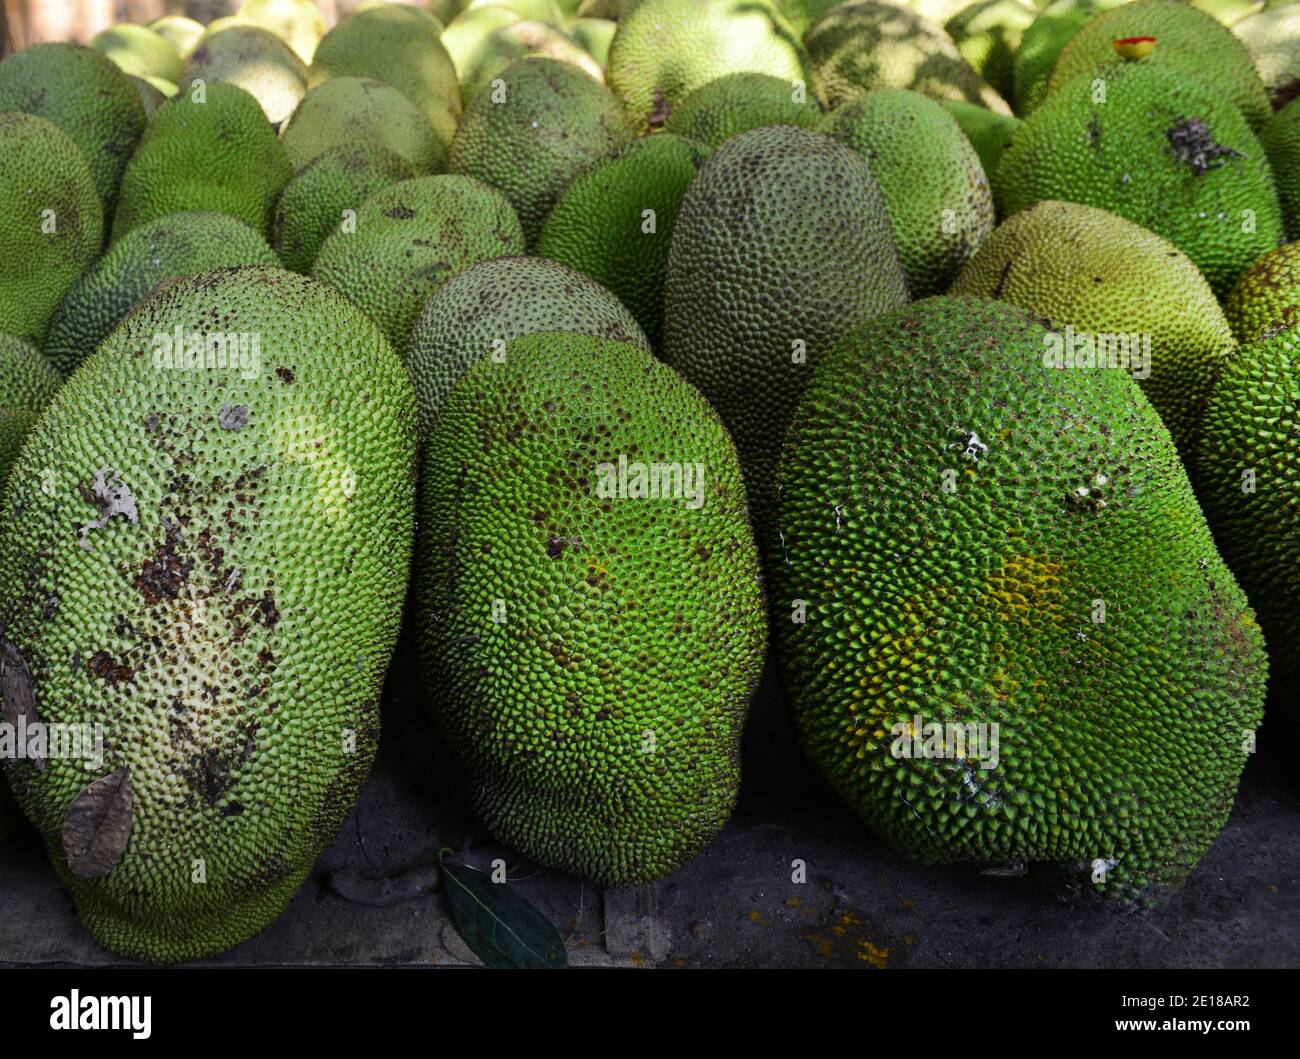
[[139, 51], [987, 34], [257, 61], [1273, 40]]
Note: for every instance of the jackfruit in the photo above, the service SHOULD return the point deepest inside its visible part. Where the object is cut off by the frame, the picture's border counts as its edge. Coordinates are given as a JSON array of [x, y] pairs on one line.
[[151, 95], [803, 13], [987, 34], [665, 49], [596, 35], [970, 539], [1281, 140], [534, 133], [180, 32], [466, 35], [595, 644], [1273, 40], [401, 47], [205, 552], [989, 133], [1161, 150], [1266, 298], [1114, 292], [783, 244], [477, 312], [409, 238], [53, 224], [1041, 44], [27, 384], [535, 10], [178, 244], [258, 62], [1248, 485], [243, 163], [934, 186], [509, 43], [867, 44], [139, 51], [350, 111], [1188, 41], [615, 222], [299, 23], [325, 193], [87, 97], [733, 103]]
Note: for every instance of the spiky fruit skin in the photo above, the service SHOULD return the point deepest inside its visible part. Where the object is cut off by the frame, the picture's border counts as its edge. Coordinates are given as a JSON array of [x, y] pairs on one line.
[[1041, 45], [989, 133], [600, 226], [27, 383], [1190, 43], [244, 164], [869, 44], [599, 721], [1281, 139], [950, 513], [479, 311], [1267, 297], [399, 46], [86, 96], [257, 61], [1273, 40], [313, 203], [715, 112], [232, 637], [1160, 150], [783, 244], [512, 42], [987, 34], [665, 49], [411, 237], [53, 222], [139, 51], [1250, 486], [934, 186], [179, 244], [1105, 276], [548, 122], [356, 111]]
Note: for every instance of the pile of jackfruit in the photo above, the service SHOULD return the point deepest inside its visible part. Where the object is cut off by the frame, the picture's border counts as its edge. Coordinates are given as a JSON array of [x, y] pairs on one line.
[[566, 361]]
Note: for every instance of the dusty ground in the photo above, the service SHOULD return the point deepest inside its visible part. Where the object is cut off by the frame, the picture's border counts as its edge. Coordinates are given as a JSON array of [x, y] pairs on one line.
[[735, 906]]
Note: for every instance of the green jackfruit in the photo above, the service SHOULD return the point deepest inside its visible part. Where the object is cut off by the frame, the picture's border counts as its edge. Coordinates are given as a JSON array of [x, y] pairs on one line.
[[803, 13], [1273, 40], [934, 186], [601, 227], [1266, 298], [545, 124], [53, 223], [258, 62], [1041, 44], [27, 384], [595, 645], [867, 44], [356, 111], [409, 238], [715, 112], [971, 539], [1114, 285], [1188, 41], [596, 35], [987, 34], [783, 244], [299, 23], [180, 32], [478, 311], [1160, 149], [467, 35], [151, 96], [1250, 486], [324, 193], [1281, 140], [87, 97], [503, 46], [243, 163], [665, 49], [139, 51], [989, 133], [178, 244], [400, 46], [205, 552]]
